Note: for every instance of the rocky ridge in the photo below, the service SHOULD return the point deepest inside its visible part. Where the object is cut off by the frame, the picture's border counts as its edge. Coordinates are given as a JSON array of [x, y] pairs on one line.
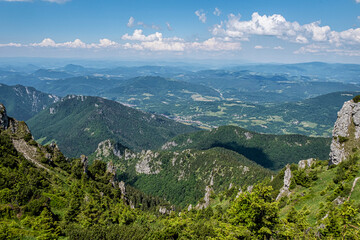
[[346, 132]]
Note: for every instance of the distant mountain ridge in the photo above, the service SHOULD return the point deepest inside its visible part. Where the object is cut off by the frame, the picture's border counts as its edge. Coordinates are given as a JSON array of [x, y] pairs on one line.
[[24, 102]]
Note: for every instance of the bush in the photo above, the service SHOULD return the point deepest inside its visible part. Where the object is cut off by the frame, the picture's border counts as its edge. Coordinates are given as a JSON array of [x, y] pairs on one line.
[[356, 99]]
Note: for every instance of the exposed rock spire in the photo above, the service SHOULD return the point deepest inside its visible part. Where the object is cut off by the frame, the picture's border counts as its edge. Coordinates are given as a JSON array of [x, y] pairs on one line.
[[4, 119], [348, 118]]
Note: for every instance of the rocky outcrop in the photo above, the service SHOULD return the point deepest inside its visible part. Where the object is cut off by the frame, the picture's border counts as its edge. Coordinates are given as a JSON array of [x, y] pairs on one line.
[[169, 145], [348, 117], [204, 204], [306, 163], [146, 164], [122, 188], [4, 119], [285, 190], [84, 162], [164, 210], [248, 135], [107, 147]]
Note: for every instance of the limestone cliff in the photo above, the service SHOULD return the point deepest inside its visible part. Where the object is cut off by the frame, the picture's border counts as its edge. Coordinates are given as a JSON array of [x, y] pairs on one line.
[[346, 132], [285, 190]]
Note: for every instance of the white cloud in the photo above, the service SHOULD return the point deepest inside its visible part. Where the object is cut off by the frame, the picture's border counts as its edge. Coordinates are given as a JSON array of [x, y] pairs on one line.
[[107, 43], [278, 48], [10, 45], [277, 26], [258, 47], [77, 43], [201, 15], [139, 36], [131, 22], [358, 17], [168, 26], [216, 44], [156, 42], [153, 42], [357, 1], [47, 42], [217, 12], [318, 33], [301, 39]]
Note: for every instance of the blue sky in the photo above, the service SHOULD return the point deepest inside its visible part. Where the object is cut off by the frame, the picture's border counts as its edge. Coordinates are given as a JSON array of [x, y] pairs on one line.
[[246, 31]]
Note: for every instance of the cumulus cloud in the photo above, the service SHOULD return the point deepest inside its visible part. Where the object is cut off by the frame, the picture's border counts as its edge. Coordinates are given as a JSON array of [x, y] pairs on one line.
[[357, 1], [201, 15], [277, 26], [139, 36], [156, 42], [152, 42], [274, 25], [48, 42], [217, 12], [258, 47]]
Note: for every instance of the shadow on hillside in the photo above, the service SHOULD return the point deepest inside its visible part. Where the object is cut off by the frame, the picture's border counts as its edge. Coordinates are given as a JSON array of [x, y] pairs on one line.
[[253, 154]]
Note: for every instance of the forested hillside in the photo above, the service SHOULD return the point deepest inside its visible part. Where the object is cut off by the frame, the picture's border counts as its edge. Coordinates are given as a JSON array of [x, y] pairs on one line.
[[78, 123], [270, 151]]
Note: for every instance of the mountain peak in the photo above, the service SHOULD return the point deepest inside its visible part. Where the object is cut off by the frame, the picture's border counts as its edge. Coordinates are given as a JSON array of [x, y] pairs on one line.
[[346, 131]]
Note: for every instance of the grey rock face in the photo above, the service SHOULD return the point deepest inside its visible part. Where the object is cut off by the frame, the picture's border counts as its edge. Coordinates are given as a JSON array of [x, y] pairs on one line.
[[348, 115], [84, 162], [307, 162], [206, 203], [4, 120], [105, 148], [122, 188], [147, 163], [284, 191]]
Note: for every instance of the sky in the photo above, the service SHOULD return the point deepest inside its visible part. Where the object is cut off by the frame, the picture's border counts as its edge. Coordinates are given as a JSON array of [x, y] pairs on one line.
[[256, 31]]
